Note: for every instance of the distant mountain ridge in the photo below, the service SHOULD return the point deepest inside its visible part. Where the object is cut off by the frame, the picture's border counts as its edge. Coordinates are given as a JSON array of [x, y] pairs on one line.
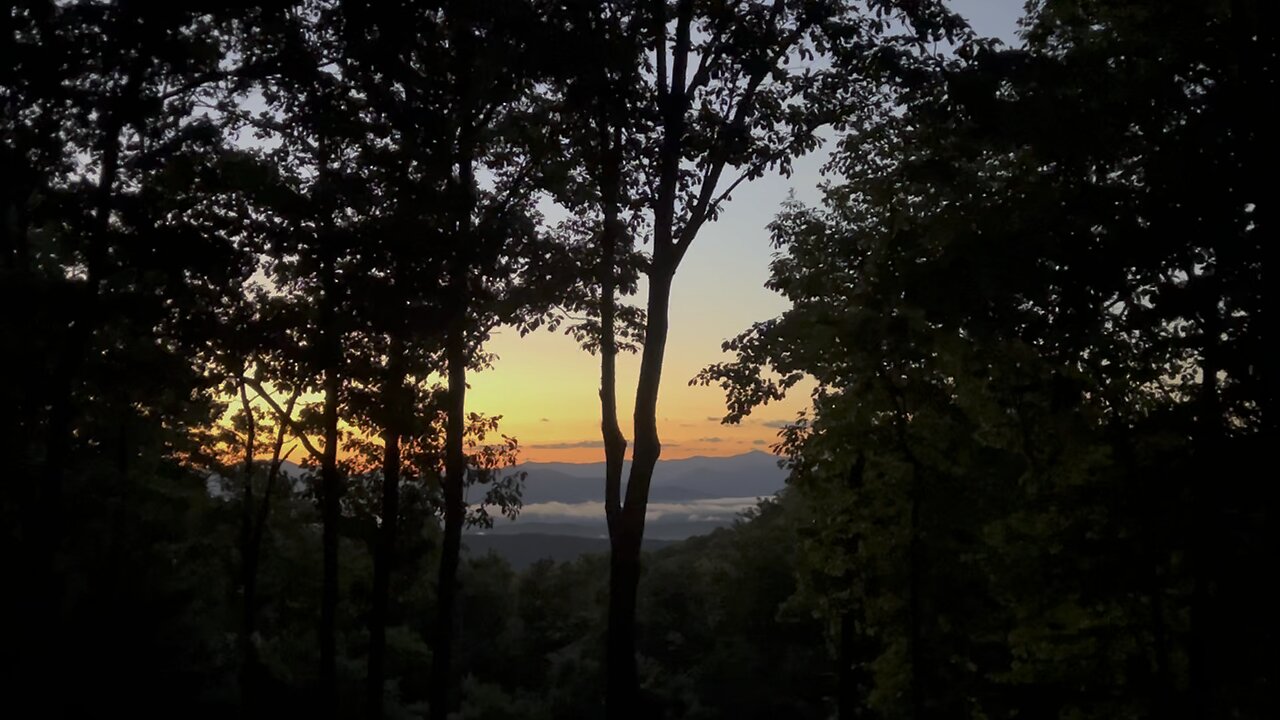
[[752, 474], [563, 505]]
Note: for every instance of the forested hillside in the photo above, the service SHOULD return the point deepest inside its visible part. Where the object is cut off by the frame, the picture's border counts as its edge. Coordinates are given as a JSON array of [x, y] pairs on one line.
[[255, 257]]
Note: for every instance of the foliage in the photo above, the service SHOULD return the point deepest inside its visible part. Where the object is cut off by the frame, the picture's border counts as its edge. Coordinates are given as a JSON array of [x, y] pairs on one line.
[[1018, 307], [251, 253]]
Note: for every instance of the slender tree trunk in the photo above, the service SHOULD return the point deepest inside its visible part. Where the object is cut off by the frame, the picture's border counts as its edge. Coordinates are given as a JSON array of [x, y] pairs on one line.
[[80, 330], [1162, 695], [1204, 531], [382, 573], [330, 512], [454, 515], [459, 21], [620, 651], [915, 616], [46, 531], [915, 572], [622, 698], [330, 498], [615, 444], [384, 551], [246, 564], [851, 682], [250, 562], [623, 691], [847, 701]]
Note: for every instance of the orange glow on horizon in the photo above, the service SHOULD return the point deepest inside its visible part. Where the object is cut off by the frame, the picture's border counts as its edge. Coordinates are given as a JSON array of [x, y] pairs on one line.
[[547, 391]]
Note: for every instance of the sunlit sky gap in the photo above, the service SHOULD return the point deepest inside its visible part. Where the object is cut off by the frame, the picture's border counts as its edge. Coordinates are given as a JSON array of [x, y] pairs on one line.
[[545, 386]]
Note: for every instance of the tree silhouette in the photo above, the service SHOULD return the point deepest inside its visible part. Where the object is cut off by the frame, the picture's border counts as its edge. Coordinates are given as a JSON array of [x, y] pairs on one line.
[[721, 104], [1012, 307], [1030, 303]]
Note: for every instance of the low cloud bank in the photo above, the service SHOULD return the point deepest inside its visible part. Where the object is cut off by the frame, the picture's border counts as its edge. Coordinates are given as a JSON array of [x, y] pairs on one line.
[[714, 509]]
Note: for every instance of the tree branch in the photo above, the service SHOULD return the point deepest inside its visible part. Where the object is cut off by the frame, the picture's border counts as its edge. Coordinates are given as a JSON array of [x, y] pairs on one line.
[[285, 417]]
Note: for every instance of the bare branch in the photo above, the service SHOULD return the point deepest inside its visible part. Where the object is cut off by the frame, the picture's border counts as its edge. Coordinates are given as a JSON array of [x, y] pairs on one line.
[[285, 417]]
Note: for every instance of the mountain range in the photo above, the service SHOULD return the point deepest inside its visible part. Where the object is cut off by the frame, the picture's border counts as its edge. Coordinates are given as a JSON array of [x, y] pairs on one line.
[[562, 516], [753, 474], [750, 475]]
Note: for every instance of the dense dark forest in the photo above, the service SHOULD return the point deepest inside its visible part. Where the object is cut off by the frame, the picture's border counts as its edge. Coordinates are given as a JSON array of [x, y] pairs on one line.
[[1031, 483]]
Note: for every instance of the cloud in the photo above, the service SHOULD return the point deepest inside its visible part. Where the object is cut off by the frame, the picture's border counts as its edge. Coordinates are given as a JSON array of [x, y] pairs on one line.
[[546, 420], [711, 439], [569, 445], [776, 423], [713, 509], [758, 442], [713, 418]]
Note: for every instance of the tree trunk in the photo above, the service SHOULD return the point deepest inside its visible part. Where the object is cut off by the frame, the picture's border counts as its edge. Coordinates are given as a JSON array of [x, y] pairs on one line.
[[246, 564], [622, 690], [615, 445], [454, 514], [915, 616], [1205, 530], [80, 330], [385, 548], [45, 528], [622, 698], [330, 504], [1162, 692], [251, 561], [455, 461], [846, 678]]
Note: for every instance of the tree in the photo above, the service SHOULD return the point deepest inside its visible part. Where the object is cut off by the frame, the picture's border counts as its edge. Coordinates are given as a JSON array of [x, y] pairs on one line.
[[720, 104], [1019, 411], [458, 158], [323, 207], [100, 123]]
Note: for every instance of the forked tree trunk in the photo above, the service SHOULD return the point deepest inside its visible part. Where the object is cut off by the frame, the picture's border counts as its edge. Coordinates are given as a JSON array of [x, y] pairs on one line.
[[251, 561], [626, 540], [615, 444]]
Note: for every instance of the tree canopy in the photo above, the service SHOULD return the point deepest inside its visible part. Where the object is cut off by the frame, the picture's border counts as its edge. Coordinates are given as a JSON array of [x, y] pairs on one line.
[[254, 255]]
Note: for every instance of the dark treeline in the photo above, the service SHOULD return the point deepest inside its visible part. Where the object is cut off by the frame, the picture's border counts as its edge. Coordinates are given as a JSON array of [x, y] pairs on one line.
[[1029, 305]]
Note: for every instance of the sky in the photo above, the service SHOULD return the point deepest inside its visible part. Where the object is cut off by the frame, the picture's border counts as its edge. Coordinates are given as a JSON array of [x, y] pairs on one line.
[[546, 388]]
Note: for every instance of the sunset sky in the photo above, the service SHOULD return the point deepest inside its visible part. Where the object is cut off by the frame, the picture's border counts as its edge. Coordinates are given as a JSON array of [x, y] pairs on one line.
[[545, 386]]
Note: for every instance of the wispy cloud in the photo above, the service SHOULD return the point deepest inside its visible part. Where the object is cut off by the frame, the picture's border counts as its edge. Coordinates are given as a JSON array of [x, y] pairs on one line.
[[570, 445], [711, 439], [776, 423], [584, 444], [758, 442], [694, 510], [546, 420]]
